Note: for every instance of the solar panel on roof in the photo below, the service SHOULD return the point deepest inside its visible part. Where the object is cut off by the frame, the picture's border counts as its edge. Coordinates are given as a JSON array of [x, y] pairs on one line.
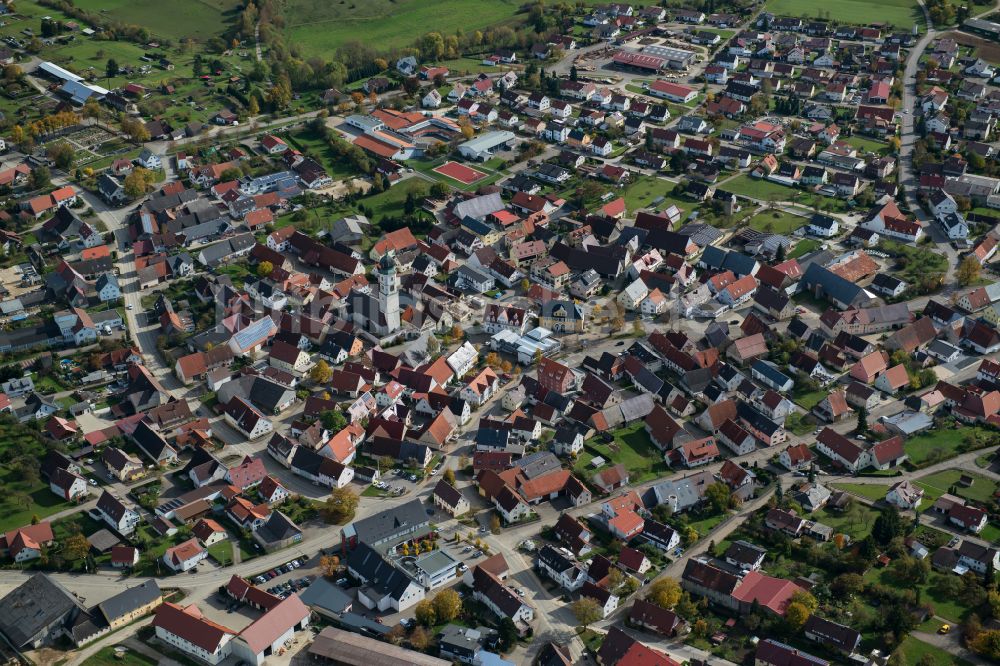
[[253, 332]]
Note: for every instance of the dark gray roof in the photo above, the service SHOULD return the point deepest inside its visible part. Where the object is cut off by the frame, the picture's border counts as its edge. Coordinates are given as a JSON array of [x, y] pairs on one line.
[[771, 372], [832, 285], [744, 552], [278, 528], [718, 259], [129, 600], [555, 560], [538, 464], [377, 573], [324, 595], [34, 606], [386, 524]]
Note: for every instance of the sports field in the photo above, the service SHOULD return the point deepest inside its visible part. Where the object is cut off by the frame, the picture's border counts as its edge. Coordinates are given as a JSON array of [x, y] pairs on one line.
[[900, 13], [460, 172], [199, 19], [321, 26]]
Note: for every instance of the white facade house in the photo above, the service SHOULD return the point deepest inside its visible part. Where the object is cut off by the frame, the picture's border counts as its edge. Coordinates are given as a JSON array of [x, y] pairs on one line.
[[431, 100], [185, 556], [632, 296], [463, 359], [905, 495]]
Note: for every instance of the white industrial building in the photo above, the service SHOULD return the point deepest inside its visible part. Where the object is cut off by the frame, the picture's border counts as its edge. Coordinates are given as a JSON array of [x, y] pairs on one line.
[[524, 347], [484, 146]]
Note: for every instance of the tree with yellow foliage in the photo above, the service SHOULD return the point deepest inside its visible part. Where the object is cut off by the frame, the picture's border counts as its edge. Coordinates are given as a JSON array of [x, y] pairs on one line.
[[796, 615], [321, 373], [665, 593]]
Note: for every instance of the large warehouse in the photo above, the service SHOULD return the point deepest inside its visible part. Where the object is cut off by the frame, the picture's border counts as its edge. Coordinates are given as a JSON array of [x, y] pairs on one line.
[[484, 146], [676, 58]]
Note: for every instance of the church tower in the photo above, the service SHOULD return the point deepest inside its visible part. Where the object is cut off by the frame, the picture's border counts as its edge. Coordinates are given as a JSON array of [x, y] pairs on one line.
[[388, 292]]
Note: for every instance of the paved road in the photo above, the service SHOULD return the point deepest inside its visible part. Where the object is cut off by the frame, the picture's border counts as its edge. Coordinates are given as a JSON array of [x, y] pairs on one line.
[[952, 644], [965, 461]]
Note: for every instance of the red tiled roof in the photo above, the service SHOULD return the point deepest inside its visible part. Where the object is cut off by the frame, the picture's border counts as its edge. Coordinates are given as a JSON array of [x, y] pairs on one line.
[[189, 624], [772, 593]]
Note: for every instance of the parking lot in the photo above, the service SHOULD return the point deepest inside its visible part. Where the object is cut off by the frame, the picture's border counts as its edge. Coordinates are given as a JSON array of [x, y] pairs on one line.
[[283, 583]]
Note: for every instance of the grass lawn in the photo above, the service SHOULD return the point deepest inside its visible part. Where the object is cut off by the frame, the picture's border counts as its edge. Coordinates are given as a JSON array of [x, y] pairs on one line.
[[176, 19], [766, 190], [867, 144], [108, 657], [803, 247], [391, 201], [777, 221], [320, 27], [310, 143], [721, 32], [936, 590], [901, 13], [49, 384], [938, 444], [914, 650], [222, 552], [24, 495], [238, 273], [75, 523], [938, 484], [872, 491], [916, 262], [632, 448], [706, 525], [797, 424], [990, 533], [645, 190], [372, 491], [758, 188], [592, 639], [808, 399], [856, 522]]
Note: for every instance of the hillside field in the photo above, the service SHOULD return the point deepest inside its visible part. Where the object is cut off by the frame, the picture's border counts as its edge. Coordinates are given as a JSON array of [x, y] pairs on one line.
[[320, 26], [198, 19], [900, 13]]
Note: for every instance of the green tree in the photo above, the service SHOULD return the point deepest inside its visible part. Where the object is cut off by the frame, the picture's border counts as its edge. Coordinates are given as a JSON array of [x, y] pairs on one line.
[[449, 476], [111, 68], [719, 496], [586, 611], [340, 506], [508, 634], [61, 153], [862, 419], [333, 420], [968, 271], [439, 190], [40, 178], [847, 585], [887, 526]]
